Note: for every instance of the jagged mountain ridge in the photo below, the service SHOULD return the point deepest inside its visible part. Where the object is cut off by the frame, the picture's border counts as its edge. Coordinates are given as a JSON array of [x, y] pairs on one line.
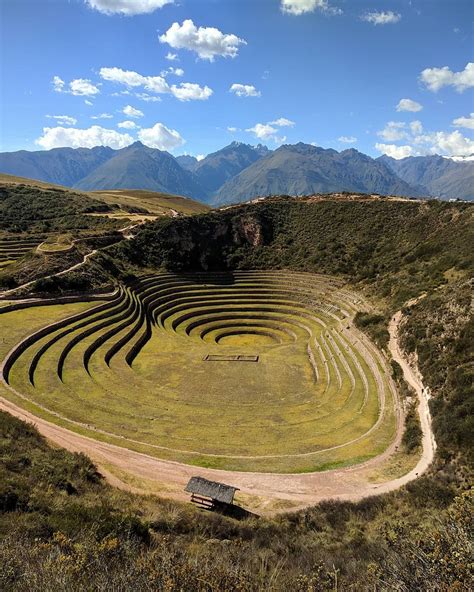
[[442, 177], [240, 172], [301, 169]]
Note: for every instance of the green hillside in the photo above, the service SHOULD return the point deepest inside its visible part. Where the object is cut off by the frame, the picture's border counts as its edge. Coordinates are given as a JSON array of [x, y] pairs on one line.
[[63, 528]]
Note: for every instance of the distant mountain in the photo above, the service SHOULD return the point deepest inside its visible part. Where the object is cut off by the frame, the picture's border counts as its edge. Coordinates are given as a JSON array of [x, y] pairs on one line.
[[187, 162], [301, 169], [217, 168], [442, 177], [140, 167], [62, 166], [241, 172]]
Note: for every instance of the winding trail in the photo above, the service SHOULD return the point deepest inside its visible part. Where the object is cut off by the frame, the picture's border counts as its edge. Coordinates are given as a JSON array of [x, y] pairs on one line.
[[266, 493], [47, 277]]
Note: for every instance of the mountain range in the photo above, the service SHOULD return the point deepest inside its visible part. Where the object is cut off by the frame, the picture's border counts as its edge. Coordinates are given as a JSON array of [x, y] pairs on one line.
[[239, 172]]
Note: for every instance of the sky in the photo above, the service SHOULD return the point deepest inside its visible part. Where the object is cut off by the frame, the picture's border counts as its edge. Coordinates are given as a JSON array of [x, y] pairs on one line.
[[389, 77]]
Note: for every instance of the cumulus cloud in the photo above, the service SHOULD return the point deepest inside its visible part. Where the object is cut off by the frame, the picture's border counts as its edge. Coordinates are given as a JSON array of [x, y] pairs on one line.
[[347, 139], [127, 125], [418, 142], [283, 122], [409, 105], [79, 87], [298, 7], [132, 112], [232, 129], [437, 78], [61, 137], [161, 137], [127, 7], [127, 77], [63, 119], [393, 131], [207, 42], [467, 122], [269, 131], [172, 57], [395, 151], [83, 88], [188, 91], [102, 116], [244, 90], [446, 143], [381, 17]]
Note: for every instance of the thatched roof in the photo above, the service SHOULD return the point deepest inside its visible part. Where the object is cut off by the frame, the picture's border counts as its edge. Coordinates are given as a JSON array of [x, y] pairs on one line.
[[213, 489]]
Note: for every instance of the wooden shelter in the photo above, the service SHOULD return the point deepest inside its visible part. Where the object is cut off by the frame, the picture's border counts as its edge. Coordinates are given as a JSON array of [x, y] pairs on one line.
[[210, 495]]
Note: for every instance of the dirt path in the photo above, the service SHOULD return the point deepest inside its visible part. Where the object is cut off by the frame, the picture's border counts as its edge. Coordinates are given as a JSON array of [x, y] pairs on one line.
[[265, 493], [414, 379], [46, 277]]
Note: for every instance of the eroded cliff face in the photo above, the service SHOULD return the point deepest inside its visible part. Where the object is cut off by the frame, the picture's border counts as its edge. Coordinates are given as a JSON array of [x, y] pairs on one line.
[[251, 230]]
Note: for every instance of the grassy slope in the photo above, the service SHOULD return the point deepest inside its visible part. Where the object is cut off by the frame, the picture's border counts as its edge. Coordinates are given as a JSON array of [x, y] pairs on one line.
[[151, 201], [416, 539]]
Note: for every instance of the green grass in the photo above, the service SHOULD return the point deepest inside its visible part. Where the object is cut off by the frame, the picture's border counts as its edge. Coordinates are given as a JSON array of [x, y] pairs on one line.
[[150, 201], [268, 416]]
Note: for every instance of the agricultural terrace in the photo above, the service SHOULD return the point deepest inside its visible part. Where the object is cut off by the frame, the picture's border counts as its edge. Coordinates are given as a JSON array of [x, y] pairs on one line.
[[13, 247], [251, 370]]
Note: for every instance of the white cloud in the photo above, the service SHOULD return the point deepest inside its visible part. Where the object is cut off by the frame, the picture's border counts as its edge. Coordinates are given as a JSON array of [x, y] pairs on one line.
[[79, 87], [200, 157], [393, 131], [232, 129], [409, 105], [395, 151], [436, 78], [269, 131], [132, 112], [171, 70], [416, 127], [83, 88], [127, 125], [347, 139], [63, 119], [60, 137], [283, 122], [297, 7], [467, 122], [439, 142], [127, 77], [58, 84], [161, 137], [172, 57], [381, 17], [263, 131], [147, 98], [207, 42], [188, 91], [127, 7], [102, 116], [88, 103], [447, 144], [244, 90]]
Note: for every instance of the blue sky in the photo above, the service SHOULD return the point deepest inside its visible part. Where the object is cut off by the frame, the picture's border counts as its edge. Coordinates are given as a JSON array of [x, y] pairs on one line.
[[329, 72]]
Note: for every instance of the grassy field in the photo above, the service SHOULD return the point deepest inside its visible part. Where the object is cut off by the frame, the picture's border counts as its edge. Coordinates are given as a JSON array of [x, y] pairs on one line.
[[134, 372], [160, 204]]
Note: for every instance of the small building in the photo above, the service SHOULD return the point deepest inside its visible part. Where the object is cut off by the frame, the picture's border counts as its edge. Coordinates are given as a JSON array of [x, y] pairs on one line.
[[211, 495]]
